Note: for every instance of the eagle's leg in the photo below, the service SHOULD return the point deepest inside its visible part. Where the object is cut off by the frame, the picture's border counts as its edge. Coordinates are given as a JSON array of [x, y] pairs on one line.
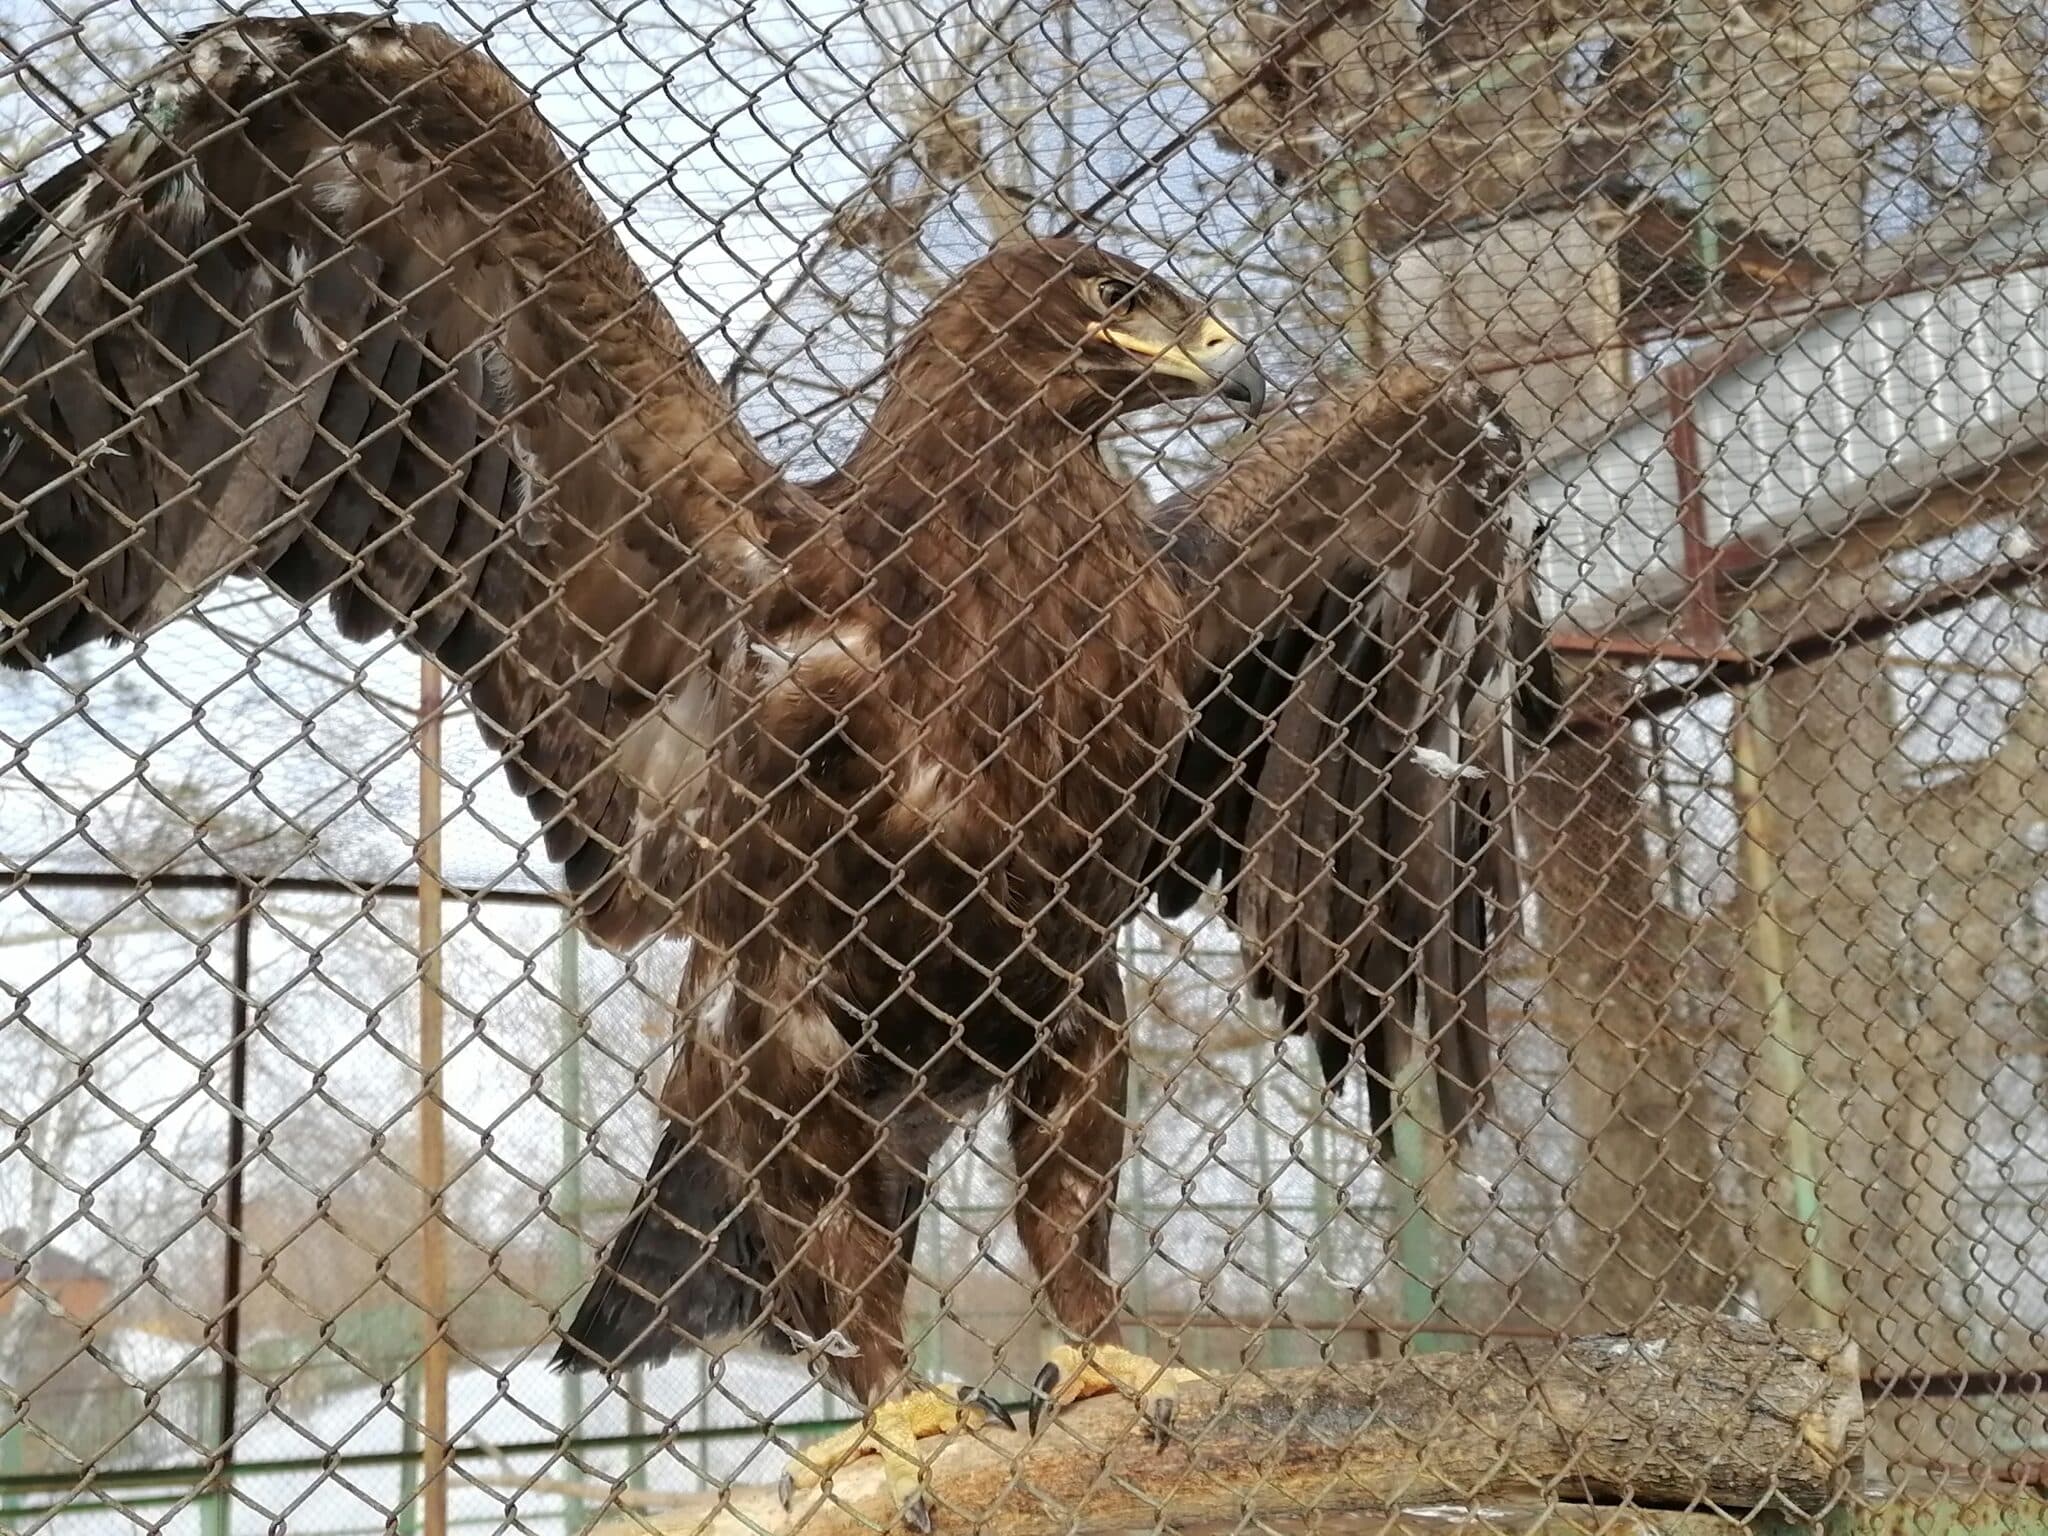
[[1067, 1135], [870, 1360]]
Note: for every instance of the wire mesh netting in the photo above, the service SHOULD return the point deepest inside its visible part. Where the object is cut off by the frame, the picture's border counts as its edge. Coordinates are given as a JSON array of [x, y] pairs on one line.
[[726, 723]]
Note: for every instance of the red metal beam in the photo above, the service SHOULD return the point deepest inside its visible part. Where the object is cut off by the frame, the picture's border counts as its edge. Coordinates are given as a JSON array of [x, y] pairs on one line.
[[1580, 642], [1803, 650]]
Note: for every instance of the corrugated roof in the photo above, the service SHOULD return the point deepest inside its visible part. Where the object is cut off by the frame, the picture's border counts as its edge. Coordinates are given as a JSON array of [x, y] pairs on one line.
[[1856, 409]]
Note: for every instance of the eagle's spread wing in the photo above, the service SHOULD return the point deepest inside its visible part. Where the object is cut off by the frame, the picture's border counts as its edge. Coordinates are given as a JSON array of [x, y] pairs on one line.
[[1364, 646], [337, 313]]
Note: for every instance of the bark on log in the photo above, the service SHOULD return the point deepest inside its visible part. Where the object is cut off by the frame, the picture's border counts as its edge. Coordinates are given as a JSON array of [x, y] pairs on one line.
[[1691, 1410]]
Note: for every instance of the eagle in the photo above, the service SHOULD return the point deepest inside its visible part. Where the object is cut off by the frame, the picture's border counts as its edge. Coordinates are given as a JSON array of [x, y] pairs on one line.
[[896, 753]]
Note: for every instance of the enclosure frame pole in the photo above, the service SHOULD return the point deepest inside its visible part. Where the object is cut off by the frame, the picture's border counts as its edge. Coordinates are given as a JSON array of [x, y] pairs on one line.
[[214, 1519], [408, 1521], [1361, 317], [1324, 1206], [569, 983], [1129, 1194], [1787, 1045], [433, 1159], [1767, 950]]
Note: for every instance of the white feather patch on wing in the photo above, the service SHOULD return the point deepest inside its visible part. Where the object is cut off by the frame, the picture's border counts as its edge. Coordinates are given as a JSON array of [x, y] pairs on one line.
[[298, 266], [811, 1036], [665, 751], [379, 44], [927, 794], [713, 1012], [835, 1343], [849, 644], [58, 225], [332, 189], [1445, 766], [795, 1018]]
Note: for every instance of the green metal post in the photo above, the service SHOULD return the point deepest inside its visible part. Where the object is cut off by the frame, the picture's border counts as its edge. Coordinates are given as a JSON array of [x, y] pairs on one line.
[[1268, 1218], [636, 1424], [1788, 1045], [1699, 23], [409, 1444], [11, 1458], [213, 1510], [1421, 1244], [1323, 1209]]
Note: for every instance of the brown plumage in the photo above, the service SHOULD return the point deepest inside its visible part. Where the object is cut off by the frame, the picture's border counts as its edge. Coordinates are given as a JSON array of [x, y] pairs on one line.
[[1347, 776], [898, 753]]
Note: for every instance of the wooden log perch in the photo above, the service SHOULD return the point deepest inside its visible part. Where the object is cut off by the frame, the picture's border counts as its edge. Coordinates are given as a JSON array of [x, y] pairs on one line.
[[1691, 1411]]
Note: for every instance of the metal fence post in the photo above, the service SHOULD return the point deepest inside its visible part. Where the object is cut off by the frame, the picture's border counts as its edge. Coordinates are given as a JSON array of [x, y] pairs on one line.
[[1787, 1043], [569, 1202], [433, 1165], [219, 1499]]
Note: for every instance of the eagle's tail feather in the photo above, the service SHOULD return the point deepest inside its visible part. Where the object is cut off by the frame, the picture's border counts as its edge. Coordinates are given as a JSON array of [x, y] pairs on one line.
[[689, 1266]]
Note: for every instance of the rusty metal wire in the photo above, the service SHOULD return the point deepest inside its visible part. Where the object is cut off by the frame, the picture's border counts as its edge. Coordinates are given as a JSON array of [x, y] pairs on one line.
[[325, 1111]]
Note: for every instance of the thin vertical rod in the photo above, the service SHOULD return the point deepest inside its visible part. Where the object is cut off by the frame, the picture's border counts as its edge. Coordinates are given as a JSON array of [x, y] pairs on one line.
[[1787, 1047], [569, 985], [1700, 97], [240, 1020], [1421, 1242], [1324, 1212], [1354, 261], [1130, 1185], [1705, 624], [433, 1157], [1611, 319], [408, 1521]]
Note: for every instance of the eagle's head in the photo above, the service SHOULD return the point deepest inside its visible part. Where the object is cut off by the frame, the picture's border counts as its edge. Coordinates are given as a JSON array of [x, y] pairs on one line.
[[1084, 331]]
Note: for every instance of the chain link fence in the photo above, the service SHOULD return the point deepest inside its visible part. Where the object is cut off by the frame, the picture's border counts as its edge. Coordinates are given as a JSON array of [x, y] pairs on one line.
[[325, 1112]]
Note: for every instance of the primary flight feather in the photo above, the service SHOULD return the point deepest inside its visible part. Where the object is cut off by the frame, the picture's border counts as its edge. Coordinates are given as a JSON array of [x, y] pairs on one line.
[[897, 753]]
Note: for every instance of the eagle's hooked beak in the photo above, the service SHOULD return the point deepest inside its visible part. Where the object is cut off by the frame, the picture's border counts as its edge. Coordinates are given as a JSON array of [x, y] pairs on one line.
[[1212, 357]]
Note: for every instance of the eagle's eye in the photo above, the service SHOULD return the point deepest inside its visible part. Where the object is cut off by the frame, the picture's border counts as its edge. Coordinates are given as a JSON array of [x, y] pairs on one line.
[[1115, 293]]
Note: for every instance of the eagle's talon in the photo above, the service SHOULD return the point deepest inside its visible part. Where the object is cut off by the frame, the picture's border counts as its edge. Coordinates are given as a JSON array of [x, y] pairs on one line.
[[1159, 1413], [1042, 1384], [903, 1473], [785, 1490], [991, 1410], [1074, 1373]]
